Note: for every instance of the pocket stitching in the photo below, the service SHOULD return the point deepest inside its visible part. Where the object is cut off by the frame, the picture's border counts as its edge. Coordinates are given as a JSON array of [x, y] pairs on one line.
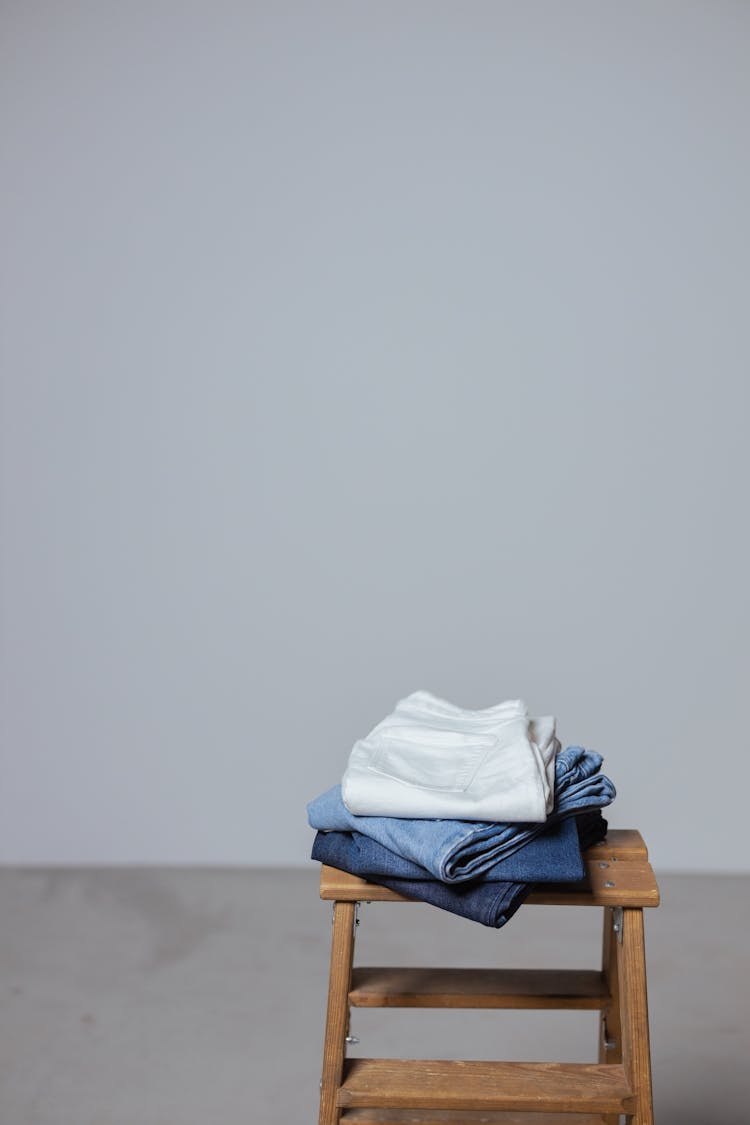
[[466, 776]]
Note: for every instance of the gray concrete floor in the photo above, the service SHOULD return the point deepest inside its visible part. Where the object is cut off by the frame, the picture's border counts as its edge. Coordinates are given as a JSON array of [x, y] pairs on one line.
[[178, 997]]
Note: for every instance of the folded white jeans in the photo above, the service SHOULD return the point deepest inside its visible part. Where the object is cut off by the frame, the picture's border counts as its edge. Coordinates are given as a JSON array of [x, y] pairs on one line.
[[429, 758]]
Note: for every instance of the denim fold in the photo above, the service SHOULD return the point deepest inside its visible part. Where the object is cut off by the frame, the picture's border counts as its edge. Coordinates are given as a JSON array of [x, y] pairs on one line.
[[552, 857], [490, 902], [454, 851]]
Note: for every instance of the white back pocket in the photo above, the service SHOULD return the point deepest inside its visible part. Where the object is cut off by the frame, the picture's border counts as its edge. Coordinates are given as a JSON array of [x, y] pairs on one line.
[[446, 760]]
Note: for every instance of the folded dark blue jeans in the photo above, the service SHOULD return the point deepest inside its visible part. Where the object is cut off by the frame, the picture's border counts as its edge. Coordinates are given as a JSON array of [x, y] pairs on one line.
[[457, 850], [482, 900]]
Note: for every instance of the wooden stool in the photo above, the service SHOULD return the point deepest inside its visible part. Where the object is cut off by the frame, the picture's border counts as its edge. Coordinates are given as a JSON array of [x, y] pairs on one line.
[[423, 1092]]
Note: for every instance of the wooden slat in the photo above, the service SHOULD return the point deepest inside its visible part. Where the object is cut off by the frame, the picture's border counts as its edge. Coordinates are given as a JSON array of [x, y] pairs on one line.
[[477, 988], [619, 844], [457, 1085], [337, 1017], [634, 884], [344, 887], [636, 1054], [369, 1116]]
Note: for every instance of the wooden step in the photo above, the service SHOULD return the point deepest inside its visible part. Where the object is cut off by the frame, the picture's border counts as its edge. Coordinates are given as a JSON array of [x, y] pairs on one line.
[[619, 844], [621, 859], [630, 883], [477, 988], [459, 1085], [370, 1116]]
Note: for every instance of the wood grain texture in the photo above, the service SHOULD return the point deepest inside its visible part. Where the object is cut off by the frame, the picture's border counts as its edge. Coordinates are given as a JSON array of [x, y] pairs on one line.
[[633, 883], [636, 1051], [457, 1085], [337, 1015], [477, 988], [343, 887], [610, 1019], [618, 844], [370, 1116]]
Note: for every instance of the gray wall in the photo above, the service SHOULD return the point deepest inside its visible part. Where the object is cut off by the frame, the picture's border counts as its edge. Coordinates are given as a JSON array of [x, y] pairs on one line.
[[354, 348]]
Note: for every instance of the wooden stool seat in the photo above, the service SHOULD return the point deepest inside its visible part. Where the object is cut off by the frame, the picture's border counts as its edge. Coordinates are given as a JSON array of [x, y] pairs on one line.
[[618, 878]]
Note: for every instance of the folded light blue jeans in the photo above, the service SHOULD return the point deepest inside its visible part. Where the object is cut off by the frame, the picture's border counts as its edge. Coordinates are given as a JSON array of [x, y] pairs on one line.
[[456, 850]]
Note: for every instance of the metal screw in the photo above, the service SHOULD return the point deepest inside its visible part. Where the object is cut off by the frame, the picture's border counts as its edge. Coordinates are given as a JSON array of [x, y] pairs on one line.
[[607, 1040], [604, 865], [617, 923], [351, 1039], [609, 883]]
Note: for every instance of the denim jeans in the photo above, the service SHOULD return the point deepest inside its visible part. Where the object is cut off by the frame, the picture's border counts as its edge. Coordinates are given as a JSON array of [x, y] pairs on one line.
[[483, 900], [553, 856], [429, 758], [456, 850]]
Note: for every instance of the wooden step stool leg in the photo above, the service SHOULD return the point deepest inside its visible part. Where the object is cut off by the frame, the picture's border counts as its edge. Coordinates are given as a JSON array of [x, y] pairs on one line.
[[337, 1015], [610, 1030], [636, 1051]]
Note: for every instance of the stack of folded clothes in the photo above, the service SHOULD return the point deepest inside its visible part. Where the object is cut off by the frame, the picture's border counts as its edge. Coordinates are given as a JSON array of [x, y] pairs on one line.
[[466, 810]]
